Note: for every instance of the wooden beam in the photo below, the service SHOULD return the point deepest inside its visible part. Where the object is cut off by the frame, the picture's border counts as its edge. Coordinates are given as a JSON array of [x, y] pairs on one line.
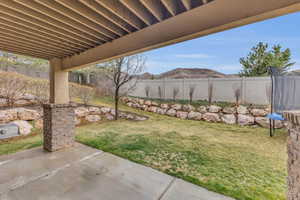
[[187, 4], [15, 36], [121, 11], [30, 28], [176, 29], [23, 52], [156, 8], [69, 13], [92, 4], [109, 29], [171, 7], [40, 37], [9, 7], [139, 10], [93, 35]]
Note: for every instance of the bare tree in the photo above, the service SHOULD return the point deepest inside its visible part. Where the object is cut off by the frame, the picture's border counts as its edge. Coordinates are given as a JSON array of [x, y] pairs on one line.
[[191, 92], [40, 90], [123, 71], [210, 93], [147, 91], [175, 93], [12, 87], [160, 92]]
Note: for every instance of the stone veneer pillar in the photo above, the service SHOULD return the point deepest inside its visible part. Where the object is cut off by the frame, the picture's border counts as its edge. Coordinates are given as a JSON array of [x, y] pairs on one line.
[[293, 146], [59, 126]]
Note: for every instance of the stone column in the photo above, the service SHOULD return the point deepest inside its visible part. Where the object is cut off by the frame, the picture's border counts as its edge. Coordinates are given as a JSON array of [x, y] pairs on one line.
[[293, 146], [59, 117]]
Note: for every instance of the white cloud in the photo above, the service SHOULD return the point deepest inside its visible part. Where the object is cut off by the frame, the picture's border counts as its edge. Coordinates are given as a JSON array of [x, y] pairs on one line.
[[196, 56]]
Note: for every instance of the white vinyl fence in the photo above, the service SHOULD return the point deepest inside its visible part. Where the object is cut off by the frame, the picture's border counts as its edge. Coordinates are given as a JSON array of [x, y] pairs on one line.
[[254, 90]]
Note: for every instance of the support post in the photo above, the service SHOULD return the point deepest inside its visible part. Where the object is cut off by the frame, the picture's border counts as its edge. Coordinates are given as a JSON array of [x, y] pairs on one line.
[[59, 117], [293, 149]]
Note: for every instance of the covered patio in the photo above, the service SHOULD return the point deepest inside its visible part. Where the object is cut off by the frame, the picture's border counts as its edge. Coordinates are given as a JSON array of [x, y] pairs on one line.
[[73, 34]]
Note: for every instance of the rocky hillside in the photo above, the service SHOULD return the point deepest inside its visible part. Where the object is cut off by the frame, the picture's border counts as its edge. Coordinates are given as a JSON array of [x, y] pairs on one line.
[[180, 73]]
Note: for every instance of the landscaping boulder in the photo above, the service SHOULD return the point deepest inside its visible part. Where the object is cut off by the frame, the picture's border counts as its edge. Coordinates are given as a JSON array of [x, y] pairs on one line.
[[22, 102], [92, 118], [129, 104], [130, 117], [152, 109], [202, 109], [139, 118], [81, 111], [39, 124], [171, 112], [181, 114], [141, 101], [214, 109], [164, 106], [188, 108], [94, 110], [242, 110], [258, 112], [105, 110], [153, 103], [148, 103], [161, 111], [24, 127], [3, 102], [244, 120], [229, 119], [265, 122], [27, 114], [229, 110], [8, 115], [211, 117], [77, 121], [144, 107], [176, 106], [109, 117], [194, 115]]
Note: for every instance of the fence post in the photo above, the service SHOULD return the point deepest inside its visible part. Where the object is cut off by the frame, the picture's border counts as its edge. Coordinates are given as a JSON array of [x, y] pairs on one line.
[[164, 87], [243, 100], [183, 85]]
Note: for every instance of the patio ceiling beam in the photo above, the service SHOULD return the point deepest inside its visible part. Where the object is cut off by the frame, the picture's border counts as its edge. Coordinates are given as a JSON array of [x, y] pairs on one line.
[[24, 46], [93, 35], [13, 36], [171, 6], [139, 10], [187, 4], [108, 29], [15, 46], [12, 29], [39, 25], [32, 29], [121, 11], [23, 52], [155, 7], [214, 17], [92, 4]]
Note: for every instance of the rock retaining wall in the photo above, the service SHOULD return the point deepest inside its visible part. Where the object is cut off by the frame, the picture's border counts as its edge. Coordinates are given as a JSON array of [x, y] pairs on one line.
[[241, 115]]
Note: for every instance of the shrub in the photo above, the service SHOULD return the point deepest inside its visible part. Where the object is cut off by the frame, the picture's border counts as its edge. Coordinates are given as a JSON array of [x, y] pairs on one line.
[[13, 86]]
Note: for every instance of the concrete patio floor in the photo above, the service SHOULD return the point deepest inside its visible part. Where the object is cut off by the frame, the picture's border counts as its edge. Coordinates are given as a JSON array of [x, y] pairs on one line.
[[84, 173]]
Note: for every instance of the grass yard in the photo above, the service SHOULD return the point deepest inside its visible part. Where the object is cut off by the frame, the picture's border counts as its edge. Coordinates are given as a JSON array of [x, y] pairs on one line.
[[242, 162]]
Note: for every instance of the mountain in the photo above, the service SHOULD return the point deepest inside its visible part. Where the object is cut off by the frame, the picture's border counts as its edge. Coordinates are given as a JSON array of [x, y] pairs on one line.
[[187, 73]]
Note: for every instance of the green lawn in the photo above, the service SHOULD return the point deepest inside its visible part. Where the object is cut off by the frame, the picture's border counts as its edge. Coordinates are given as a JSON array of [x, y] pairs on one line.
[[242, 162]]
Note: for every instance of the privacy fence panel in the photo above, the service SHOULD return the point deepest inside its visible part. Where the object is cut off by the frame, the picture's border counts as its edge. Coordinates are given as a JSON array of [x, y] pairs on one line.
[[254, 90]]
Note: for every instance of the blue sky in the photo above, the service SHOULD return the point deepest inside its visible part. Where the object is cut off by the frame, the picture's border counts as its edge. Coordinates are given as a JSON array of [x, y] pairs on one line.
[[221, 51]]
